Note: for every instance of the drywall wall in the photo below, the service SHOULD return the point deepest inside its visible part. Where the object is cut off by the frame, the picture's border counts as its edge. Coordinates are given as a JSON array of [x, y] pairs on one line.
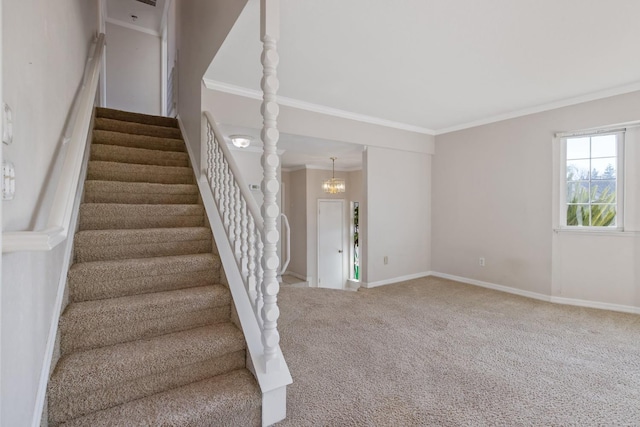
[[133, 70], [202, 26], [46, 46], [493, 197], [245, 112], [396, 216], [296, 211]]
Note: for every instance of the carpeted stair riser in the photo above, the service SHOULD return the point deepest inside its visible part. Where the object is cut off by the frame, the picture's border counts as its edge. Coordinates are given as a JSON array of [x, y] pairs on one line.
[[140, 156], [137, 141], [111, 279], [102, 216], [76, 380], [80, 405], [91, 324], [104, 245], [102, 123], [147, 337], [228, 400], [136, 117], [113, 171], [140, 193]]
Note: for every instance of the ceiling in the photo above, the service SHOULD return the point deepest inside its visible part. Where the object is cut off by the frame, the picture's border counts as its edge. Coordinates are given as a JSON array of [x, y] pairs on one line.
[[440, 65], [148, 17]]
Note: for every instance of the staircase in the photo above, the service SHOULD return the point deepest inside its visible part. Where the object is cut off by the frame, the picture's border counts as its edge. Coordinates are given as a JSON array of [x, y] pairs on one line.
[[147, 337]]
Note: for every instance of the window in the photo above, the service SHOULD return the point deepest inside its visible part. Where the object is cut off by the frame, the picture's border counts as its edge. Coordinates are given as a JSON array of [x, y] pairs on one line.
[[592, 193]]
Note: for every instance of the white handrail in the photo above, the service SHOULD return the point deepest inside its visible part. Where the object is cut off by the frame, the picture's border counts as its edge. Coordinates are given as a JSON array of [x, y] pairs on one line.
[[75, 138], [288, 237], [244, 188]]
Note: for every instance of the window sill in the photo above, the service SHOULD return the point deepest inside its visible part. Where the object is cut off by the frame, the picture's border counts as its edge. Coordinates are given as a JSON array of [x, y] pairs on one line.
[[596, 232]]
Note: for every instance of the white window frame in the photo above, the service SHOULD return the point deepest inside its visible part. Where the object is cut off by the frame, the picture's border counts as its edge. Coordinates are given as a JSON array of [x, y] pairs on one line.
[[619, 181]]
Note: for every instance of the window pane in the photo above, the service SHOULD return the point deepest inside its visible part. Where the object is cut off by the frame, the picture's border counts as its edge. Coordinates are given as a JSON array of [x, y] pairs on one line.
[[603, 215], [578, 215], [577, 192], [603, 146], [603, 192], [604, 168], [577, 170], [578, 148]]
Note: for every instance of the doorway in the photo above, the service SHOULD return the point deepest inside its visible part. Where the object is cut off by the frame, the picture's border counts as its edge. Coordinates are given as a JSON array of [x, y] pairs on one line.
[[331, 244]]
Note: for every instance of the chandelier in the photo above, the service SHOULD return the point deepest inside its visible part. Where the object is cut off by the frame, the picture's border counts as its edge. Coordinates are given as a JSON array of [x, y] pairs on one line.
[[333, 185]]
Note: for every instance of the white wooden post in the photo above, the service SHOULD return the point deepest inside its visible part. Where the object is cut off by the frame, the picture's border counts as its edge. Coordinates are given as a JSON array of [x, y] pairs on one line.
[[269, 34]]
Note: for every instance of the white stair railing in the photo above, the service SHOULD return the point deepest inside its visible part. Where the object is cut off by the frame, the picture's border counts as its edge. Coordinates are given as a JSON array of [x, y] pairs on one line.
[[244, 227]]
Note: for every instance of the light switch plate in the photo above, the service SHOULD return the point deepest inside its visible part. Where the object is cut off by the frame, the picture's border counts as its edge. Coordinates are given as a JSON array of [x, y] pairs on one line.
[[7, 125], [8, 181]]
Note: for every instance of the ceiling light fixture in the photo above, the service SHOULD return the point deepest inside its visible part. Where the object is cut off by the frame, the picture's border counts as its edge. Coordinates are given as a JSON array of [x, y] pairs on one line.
[[334, 185], [241, 141]]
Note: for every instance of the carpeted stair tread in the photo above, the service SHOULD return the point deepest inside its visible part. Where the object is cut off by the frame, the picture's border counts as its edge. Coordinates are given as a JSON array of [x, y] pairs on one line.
[[103, 123], [76, 373], [109, 279], [102, 245], [116, 171], [92, 324], [101, 216], [231, 399], [140, 156], [127, 116], [138, 141], [98, 191]]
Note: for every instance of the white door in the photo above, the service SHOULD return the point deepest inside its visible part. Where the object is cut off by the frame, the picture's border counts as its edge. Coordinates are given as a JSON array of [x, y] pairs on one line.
[[330, 244]]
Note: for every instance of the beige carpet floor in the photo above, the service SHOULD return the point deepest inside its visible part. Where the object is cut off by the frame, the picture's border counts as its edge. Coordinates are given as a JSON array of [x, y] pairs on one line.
[[435, 352]]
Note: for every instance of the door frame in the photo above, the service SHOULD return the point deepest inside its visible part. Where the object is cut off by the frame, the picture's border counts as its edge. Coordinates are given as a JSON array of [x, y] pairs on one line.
[[342, 226]]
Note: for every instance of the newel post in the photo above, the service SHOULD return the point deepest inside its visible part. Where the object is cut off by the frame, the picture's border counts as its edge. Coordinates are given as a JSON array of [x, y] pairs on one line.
[[269, 34]]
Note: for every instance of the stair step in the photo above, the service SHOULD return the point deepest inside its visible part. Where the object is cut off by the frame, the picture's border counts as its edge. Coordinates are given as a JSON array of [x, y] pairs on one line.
[[96, 191], [103, 123], [109, 279], [102, 216], [232, 399], [127, 172], [127, 116], [137, 141], [104, 377], [91, 324], [103, 245], [140, 156]]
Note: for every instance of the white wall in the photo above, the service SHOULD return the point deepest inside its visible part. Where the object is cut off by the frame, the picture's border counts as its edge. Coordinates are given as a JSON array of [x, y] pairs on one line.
[[396, 215], [133, 70], [493, 197], [296, 211], [44, 51], [202, 27]]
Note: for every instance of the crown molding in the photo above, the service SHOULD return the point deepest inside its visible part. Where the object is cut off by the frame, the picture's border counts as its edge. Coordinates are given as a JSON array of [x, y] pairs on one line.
[[620, 90], [316, 108], [132, 27], [321, 168]]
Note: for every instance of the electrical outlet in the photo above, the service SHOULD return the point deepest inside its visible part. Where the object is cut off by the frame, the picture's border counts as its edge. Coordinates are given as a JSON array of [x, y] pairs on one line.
[[386, 260], [481, 261]]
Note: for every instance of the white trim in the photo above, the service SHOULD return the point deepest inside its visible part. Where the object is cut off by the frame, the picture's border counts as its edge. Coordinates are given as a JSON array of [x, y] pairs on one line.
[[395, 280], [165, 16], [163, 72], [318, 167], [133, 27], [501, 288], [542, 297], [595, 304], [103, 71], [593, 231], [620, 90], [316, 108]]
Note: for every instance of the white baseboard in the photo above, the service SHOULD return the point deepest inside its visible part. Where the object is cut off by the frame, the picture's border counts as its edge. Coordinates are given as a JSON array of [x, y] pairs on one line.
[[541, 297], [596, 304], [394, 280], [501, 288]]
